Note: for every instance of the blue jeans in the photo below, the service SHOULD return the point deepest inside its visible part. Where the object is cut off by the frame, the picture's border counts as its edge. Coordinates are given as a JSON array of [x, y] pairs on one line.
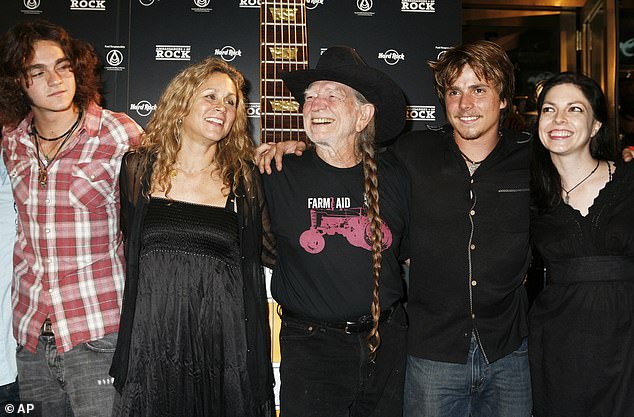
[[325, 372], [75, 383], [476, 389]]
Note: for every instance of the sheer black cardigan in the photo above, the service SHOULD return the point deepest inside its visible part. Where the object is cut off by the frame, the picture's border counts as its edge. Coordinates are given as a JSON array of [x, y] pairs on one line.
[[257, 248]]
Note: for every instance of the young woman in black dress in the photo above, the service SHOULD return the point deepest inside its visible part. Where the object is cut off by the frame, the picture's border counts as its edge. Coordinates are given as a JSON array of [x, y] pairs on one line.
[[581, 345]]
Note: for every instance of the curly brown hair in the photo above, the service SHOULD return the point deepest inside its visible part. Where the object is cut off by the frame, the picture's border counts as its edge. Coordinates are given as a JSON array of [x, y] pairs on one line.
[[161, 141], [17, 50]]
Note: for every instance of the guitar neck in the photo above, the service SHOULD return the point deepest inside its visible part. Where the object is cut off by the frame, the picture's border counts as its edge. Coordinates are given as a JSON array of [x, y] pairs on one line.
[[283, 40]]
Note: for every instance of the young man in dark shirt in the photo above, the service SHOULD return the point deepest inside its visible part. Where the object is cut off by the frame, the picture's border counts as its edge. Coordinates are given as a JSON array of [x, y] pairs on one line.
[[467, 342]]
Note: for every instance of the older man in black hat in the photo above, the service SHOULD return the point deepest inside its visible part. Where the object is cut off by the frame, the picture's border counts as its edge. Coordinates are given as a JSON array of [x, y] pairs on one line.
[[340, 215]]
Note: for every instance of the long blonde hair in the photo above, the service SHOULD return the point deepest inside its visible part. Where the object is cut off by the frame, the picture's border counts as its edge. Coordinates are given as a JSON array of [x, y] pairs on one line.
[[161, 141]]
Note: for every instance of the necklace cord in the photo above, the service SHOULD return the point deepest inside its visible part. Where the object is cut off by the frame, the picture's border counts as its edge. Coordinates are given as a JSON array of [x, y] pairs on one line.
[[70, 129], [42, 175], [567, 197]]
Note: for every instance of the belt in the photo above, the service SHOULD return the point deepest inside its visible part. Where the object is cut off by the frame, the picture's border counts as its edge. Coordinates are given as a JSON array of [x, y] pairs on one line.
[[47, 328], [359, 325]]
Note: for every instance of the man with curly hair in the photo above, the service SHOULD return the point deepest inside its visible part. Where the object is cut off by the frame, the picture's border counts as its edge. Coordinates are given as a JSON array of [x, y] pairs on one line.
[[63, 154]]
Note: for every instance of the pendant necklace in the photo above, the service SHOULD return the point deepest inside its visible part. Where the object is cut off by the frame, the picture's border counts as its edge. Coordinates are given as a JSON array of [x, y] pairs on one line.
[[567, 197], [43, 161], [473, 165]]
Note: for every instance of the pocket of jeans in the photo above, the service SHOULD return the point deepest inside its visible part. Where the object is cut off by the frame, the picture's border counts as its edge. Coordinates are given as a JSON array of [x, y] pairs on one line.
[[523, 349], [296, 331], [107, 344]]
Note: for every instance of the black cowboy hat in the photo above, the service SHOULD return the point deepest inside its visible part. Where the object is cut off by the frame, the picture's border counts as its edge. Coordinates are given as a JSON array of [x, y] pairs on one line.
[[344, 65]]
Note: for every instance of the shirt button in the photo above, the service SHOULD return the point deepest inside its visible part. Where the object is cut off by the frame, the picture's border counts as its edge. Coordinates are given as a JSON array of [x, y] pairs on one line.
[[472, 246], [50, 291], [47, 230], [49, 260], [474, 283], [472, 212], [471, 181], [473, 316]]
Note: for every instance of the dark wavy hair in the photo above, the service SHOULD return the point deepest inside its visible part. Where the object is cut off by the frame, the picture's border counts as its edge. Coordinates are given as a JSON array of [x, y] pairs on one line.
[[545, 179], [489, 62], [17, 49]]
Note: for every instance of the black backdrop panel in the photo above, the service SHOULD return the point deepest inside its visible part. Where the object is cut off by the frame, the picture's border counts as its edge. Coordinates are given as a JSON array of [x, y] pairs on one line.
[[176, 33], [144, 43], [394, 39]]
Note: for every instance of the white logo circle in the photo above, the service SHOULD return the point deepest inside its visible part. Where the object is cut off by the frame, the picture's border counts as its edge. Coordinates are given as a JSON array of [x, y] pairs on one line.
[[114, 58], [391, 57], [364, 5], [311, 4], [146, 2], [627, 47], [201, 3], [228, 53], [144, 108], [31, 4]]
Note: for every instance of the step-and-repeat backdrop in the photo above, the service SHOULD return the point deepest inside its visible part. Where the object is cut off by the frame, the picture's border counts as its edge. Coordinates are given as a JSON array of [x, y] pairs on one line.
[[144, 43]]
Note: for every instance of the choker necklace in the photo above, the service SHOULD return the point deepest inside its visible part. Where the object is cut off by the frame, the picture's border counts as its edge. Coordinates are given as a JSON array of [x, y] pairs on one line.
[[175, 170], [469, 160], [34, 130], [473, 165], [43, 161], [567, 197]]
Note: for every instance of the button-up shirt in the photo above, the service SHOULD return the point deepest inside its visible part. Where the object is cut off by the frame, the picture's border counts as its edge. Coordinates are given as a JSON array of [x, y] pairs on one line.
[[68, 258], [469, 240]]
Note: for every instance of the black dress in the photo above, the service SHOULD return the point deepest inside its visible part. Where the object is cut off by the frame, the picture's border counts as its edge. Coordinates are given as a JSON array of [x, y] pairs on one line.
[[581, 345], [188, 346]]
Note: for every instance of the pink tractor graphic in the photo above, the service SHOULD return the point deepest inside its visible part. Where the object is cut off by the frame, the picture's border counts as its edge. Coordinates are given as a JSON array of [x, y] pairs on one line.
[[350, 223]]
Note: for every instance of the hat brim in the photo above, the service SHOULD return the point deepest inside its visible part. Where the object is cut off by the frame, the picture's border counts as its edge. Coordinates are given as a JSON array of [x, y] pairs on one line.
[[376, 87]]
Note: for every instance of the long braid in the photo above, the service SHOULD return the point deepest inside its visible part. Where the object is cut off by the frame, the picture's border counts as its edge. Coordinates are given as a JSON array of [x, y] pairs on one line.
[[365, 146]]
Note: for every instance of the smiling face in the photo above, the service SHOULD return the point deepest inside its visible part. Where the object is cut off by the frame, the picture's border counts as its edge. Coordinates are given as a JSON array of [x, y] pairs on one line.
[[473, 107], [50, 85], [332, 114], [213, 110], [566, 121]]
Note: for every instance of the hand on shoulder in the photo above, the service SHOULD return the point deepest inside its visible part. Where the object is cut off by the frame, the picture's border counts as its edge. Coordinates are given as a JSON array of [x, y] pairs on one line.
[[266, 152]]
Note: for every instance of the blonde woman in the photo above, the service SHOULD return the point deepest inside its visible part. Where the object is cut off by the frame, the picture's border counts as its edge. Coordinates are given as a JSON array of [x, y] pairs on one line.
[[194, 337]]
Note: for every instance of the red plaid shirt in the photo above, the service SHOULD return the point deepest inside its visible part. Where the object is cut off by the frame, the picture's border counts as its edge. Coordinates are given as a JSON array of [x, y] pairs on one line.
[[68, 257]]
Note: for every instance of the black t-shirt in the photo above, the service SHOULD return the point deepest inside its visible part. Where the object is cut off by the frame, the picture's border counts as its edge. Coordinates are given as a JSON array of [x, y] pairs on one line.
[[319, 218]]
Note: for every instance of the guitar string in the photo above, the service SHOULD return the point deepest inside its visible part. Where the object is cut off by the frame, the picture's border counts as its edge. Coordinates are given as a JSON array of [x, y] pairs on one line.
[[292, 28], [302, 57]]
